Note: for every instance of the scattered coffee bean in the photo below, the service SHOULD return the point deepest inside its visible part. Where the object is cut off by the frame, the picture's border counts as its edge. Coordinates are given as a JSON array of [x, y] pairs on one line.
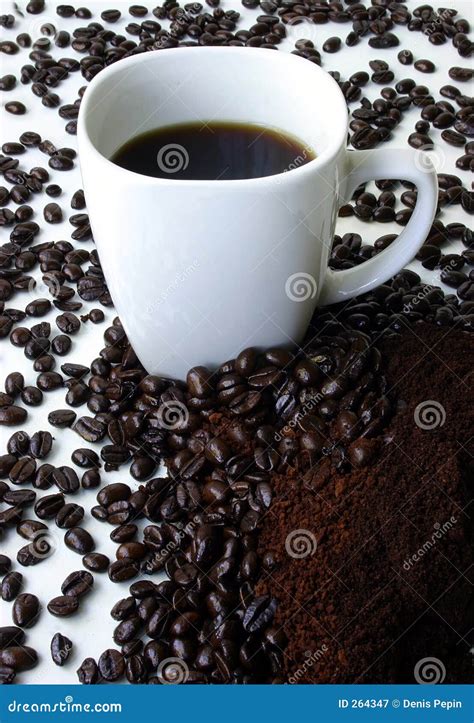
[[11, 586], [79, 540], [26, 609], [15, 107], [96, 562], [63, 605], [18, 658], [61, 648]]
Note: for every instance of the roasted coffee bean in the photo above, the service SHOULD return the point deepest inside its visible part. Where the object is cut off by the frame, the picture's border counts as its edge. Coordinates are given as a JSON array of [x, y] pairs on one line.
[[123, 609], [41, 444], [18, 657], [461, 74], [75, 370], [121, 570], [48, 506], [70, 515], [5, 564], [15, 107], [425, 66], [61, 648], [53, 190], [63, 605], [18, 444], [44, 477], [332, 45], [22, 498], [131, 551], [420, 140], [88, 672], [452, 278], [7, 462], [52, 213], [22, 471], [39, 549], [96, 316], [68, 323], [26, 609], [79, 540], [124, 533], [111, 665], [78, 200], [96, 562], [12, 415], [444, 120], [113, 493], [59, 161], [11, 635], [11, 585], [7, 82], [90, 429], [66, 479], [453, 138], [135, 669], [20, 336], [61, 344], [62, 418], [110, 16], [38, 307], [29, 528], [13, 149], [48, 381], [90, 479], [85, 458], [77, 584]]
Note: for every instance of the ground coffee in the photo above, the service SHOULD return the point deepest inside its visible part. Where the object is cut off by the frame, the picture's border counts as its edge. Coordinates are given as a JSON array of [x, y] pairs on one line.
[[373, 565]]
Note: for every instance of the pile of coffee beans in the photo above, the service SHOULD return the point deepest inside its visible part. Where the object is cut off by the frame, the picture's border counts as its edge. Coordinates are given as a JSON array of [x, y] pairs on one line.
[[231, 439]]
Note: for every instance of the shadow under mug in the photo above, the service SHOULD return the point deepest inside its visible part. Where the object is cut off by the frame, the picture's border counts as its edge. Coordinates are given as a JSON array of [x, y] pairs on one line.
[[199, 270]]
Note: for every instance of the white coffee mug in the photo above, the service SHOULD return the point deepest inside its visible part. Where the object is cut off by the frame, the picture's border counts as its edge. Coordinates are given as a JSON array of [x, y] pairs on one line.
[[199, 270]]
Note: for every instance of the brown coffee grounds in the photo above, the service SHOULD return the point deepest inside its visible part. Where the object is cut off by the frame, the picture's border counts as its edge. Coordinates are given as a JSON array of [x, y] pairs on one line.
[[387, 578]]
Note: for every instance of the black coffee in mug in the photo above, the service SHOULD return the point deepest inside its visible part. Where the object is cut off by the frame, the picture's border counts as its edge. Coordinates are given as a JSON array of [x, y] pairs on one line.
[[213, 151]]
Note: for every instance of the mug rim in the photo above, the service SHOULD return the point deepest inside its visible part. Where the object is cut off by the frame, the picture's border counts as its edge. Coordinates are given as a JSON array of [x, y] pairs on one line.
[[298, 173]]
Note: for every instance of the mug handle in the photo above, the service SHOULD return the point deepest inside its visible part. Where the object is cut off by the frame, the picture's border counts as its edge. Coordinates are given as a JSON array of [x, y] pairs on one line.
[[406, 164]]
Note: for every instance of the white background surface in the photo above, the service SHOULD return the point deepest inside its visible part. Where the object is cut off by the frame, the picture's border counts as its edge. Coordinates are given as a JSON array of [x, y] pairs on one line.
[[91, 629]]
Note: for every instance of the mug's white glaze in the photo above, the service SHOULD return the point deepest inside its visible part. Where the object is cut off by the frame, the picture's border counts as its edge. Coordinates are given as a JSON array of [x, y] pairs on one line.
[[199, 270]]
